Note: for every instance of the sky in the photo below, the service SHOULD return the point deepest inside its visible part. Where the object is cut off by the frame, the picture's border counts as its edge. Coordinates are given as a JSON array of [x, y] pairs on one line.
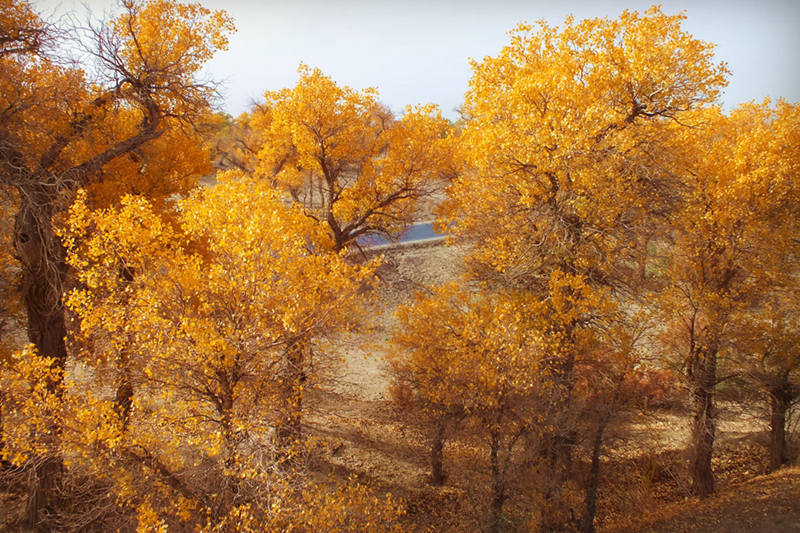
[[418, 51]]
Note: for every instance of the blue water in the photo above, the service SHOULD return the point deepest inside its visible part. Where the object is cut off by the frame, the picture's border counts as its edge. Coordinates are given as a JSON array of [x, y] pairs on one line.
[[417, 232]]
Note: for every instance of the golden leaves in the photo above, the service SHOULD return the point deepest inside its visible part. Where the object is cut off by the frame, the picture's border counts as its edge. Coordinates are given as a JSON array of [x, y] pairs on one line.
[[199, 313], [346, 159], [166, 43], [31, 406], [561, 127], [467, 352]]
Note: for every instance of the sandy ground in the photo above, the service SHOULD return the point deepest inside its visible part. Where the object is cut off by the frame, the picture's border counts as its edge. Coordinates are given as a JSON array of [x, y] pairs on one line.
[[406, 269], [365, 437]]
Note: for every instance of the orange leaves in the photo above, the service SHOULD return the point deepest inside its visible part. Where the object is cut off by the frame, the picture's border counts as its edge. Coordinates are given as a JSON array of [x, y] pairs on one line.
[[168, 165], [22, 29], [165, 43], [470, 353], [254, 282], [561, 129], [325, 127], [346, 159], [736, 221], [199, 315], [148, 60]]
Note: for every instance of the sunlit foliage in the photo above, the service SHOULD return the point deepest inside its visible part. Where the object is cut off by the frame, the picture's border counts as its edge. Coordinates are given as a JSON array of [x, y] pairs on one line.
[[196, 325], [346, 159], [734, 233]]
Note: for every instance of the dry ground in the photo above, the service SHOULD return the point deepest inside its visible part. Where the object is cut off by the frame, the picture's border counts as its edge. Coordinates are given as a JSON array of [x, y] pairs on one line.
[[644, 486], [763, 504], [643, 469]]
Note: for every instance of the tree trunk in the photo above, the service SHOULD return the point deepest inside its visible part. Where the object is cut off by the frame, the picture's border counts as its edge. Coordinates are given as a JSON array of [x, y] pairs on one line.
[[779, 405], [46, 322], [587, 521], [230, 487], [704, 380], [43, 273], [3, 462], [559, 445], [123, 402], [289, 429], [437, 447], [498, 487]]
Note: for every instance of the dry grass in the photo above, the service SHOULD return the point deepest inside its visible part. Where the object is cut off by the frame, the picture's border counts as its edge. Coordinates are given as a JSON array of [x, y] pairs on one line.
[[643, 467]]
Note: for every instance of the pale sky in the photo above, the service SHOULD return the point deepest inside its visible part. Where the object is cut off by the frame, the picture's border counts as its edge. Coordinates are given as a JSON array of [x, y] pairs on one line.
[[418, 51]]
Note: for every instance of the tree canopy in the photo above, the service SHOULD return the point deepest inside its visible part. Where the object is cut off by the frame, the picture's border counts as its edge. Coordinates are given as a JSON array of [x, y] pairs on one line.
[[625, 238], [347, 159]]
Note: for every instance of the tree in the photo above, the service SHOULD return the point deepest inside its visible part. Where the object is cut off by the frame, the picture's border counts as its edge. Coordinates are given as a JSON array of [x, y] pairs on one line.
[[238, 141], [61, 130], [21, 30], [767, 341], [347, 160], [563, 128], [567, 132], [612, 375], [733, 229], [200, 319], [475, 355]]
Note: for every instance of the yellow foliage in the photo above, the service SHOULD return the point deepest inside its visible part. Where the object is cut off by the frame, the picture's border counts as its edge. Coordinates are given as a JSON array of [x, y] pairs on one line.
[[736, 225], [198, 314], [346, 159], [472, 354], [562, 127], [349, 507], [20, 28], [32, 409], [167, 43]]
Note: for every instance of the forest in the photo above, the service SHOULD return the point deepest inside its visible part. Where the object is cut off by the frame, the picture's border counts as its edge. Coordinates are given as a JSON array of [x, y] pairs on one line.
[[193, 336]]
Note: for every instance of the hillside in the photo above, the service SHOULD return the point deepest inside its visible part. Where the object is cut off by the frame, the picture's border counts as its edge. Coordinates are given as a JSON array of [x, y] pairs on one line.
[[765, 504]]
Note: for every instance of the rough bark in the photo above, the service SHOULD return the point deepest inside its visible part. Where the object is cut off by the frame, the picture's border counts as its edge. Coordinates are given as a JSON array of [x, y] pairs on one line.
[[779, 405], [43, 268], [498, 487], [42, 492], [557, 447], [703, 375], [43, 273], [3, 463]]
